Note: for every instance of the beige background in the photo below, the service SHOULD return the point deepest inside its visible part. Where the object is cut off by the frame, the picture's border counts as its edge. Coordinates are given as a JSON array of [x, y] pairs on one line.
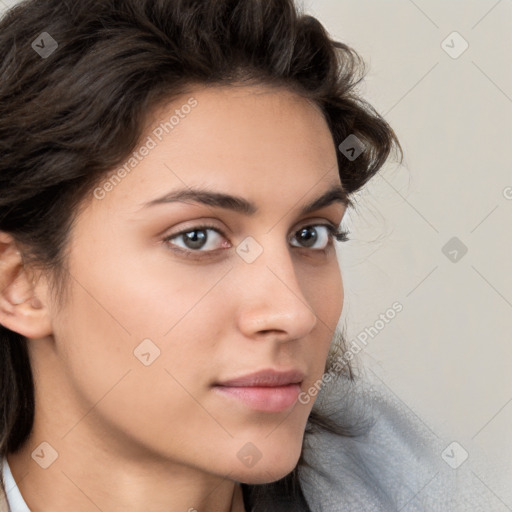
[[448, 354]]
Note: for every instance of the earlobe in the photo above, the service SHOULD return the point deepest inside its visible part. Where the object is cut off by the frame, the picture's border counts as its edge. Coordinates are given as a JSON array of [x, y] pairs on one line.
[[21, 310]]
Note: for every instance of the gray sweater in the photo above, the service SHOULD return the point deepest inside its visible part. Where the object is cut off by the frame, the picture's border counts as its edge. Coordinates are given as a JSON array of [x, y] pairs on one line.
[[397, 465]]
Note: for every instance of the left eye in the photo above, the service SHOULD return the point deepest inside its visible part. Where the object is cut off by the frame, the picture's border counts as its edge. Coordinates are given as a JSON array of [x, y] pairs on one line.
[[209, 238], [311, 236]]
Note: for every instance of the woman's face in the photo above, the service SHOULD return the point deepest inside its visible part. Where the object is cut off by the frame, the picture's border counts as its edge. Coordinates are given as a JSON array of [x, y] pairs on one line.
[[157, 319]]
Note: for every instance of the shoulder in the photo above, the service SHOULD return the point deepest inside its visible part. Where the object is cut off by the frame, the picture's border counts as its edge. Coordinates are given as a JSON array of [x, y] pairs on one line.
[[394, 464], [4, 505]]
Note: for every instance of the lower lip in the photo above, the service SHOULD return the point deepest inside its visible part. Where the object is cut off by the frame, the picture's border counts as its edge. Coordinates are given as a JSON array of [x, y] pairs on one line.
[[266, 399]]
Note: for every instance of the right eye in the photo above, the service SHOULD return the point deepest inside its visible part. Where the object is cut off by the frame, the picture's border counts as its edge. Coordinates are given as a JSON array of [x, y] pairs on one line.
[[198, 239]]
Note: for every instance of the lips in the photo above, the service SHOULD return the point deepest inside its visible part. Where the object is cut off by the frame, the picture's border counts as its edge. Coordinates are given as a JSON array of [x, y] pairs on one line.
[[264, 391], [266, 378]]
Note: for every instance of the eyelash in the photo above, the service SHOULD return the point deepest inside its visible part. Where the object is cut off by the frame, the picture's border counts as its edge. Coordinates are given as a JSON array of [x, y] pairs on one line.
[[333, 232]]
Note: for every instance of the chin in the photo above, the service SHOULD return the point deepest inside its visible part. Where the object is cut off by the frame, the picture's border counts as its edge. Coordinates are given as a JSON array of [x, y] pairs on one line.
[[275, 467], [265, 476]]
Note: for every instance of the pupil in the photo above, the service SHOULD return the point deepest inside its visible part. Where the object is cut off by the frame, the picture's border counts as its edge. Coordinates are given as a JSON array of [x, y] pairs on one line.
[[308, 236], [195, 241]]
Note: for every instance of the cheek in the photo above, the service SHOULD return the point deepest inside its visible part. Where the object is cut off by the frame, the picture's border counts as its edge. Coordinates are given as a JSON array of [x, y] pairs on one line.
[[324, 291], [143, 296], [138, 346], [148, 398], [326, 297], [331, 301]]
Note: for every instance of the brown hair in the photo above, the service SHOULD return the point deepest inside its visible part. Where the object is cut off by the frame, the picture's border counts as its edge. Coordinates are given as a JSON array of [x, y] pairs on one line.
[[69, 117]]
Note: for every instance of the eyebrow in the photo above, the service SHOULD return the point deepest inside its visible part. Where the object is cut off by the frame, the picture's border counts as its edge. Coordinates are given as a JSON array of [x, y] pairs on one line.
[[335, 194]]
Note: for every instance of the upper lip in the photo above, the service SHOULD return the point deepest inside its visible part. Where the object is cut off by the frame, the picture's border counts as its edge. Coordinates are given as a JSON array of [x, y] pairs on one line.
[[266, 378]]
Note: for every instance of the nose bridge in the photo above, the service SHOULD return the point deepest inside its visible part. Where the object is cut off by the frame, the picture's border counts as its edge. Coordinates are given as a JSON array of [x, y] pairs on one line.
[[270, 261], [273, 298]]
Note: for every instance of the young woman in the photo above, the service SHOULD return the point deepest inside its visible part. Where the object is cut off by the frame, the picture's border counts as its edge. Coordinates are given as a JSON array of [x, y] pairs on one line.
[[173, 176]]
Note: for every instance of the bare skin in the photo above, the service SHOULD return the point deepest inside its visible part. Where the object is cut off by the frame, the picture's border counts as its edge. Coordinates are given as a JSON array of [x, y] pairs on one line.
[[133, 437]]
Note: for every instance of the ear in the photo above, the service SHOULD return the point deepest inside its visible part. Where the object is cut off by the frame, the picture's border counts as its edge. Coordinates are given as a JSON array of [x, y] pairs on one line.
[[21, 310]]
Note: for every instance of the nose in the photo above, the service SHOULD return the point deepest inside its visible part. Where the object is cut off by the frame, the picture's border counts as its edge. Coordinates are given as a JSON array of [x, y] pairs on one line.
[[272, 302]]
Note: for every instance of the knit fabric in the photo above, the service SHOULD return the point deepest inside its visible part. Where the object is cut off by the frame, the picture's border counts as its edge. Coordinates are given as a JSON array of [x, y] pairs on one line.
[[396, 466]]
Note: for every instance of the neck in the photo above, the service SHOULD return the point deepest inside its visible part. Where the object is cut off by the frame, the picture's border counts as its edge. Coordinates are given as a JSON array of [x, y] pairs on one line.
[[98, 482]]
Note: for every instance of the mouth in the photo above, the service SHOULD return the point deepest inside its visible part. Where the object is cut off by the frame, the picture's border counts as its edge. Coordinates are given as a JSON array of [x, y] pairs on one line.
[[264, 391]]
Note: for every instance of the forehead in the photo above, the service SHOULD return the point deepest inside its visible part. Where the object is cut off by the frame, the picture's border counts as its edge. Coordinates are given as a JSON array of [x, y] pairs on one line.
[[233, 121], [246, 140]]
